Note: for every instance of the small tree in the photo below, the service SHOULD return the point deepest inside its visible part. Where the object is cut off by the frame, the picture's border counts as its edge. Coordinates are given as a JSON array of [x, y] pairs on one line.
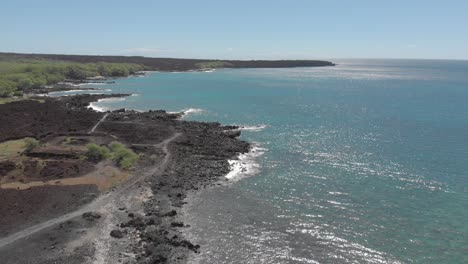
[[96, 152], [7, 88], [124, 157], [25, 83]]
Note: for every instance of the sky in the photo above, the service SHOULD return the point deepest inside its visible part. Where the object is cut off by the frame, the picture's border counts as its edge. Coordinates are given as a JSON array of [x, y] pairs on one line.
[[254, 29]]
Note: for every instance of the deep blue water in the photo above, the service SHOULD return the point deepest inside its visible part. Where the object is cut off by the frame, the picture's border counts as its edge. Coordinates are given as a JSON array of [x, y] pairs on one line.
[[365, 162]]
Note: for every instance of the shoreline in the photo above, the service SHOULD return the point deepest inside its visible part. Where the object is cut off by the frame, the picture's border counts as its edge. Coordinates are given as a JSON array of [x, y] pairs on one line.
[[197, 159]]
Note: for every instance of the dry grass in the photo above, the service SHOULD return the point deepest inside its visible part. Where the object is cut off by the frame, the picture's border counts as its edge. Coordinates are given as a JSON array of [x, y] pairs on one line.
[[14, 99], [12, 149]]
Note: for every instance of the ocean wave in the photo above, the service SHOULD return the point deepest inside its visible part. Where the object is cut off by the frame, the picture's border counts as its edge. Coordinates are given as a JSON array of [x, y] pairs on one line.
[[188, 111], [97, 108], [192, 111], [112, 99], [70, 84], [91, 83], [252, 128], [72, 91], [246, 163]]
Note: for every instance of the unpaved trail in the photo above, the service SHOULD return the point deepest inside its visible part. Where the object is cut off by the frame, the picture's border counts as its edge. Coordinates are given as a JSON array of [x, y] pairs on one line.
[[99, 202], [98, 123]]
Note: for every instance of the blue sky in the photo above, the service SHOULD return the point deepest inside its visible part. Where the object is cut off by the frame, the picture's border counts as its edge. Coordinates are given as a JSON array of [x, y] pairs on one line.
[[255, 29]]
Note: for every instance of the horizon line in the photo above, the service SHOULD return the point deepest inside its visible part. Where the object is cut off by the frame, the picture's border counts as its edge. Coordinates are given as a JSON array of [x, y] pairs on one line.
[[238, 59]]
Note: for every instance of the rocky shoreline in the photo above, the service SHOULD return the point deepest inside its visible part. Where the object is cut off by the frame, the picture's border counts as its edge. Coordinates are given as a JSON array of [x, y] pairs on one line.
[[137, 221]]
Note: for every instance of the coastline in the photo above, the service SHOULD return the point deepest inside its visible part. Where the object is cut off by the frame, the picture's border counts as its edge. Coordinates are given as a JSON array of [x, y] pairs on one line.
[[197, 159]]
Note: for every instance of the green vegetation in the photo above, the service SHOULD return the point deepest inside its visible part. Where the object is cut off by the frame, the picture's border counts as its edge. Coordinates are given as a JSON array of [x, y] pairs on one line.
[[97, 153], [29, 74], [7, 100], [11, 149], [70, 141], [123, 156], [30, 144], [214, 64]]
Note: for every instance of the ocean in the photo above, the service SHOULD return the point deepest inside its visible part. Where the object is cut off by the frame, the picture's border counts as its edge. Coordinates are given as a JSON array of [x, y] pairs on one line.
[[365, 162]]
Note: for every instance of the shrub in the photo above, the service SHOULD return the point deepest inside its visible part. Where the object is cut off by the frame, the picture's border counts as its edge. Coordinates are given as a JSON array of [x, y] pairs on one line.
[[96, 152], [124, 157], [30, 144], [17, 93], [7, 88]]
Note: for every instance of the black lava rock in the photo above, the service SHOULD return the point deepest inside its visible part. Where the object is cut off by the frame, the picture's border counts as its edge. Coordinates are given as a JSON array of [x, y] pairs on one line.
[[116, 233]]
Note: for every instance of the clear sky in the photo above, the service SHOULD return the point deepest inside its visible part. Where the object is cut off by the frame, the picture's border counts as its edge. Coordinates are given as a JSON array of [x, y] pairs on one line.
[[238, 29]]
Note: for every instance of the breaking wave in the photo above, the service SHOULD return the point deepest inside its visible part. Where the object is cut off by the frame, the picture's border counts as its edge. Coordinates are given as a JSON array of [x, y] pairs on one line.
[[95, 107], [252, 128], [246, 163]]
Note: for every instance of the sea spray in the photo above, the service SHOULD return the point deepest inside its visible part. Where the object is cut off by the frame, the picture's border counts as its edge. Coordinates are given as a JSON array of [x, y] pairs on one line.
[[97, 108], [252, 128], [246, 164], [188, 111]]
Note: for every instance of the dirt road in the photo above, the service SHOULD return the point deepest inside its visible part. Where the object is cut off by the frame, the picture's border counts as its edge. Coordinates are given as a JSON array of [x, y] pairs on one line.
[[99, 202]]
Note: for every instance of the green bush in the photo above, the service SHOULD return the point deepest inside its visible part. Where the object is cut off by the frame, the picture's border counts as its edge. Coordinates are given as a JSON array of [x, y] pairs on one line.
[[7, 88], [17, 93], [30, 144], [96, 153], [25, 83], [124, 157]]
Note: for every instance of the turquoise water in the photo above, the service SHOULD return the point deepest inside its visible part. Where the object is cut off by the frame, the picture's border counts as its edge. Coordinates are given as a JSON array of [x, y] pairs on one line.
[[365, 162]]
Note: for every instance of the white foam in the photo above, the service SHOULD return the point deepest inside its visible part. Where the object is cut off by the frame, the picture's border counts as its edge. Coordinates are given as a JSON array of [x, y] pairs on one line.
[[96, 108], [69, 84], [189, 111], [92, 83], [252, 128], [71, 91], [67, 93], [192, 111], [112, 99], [102, 108], [246, 163]]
